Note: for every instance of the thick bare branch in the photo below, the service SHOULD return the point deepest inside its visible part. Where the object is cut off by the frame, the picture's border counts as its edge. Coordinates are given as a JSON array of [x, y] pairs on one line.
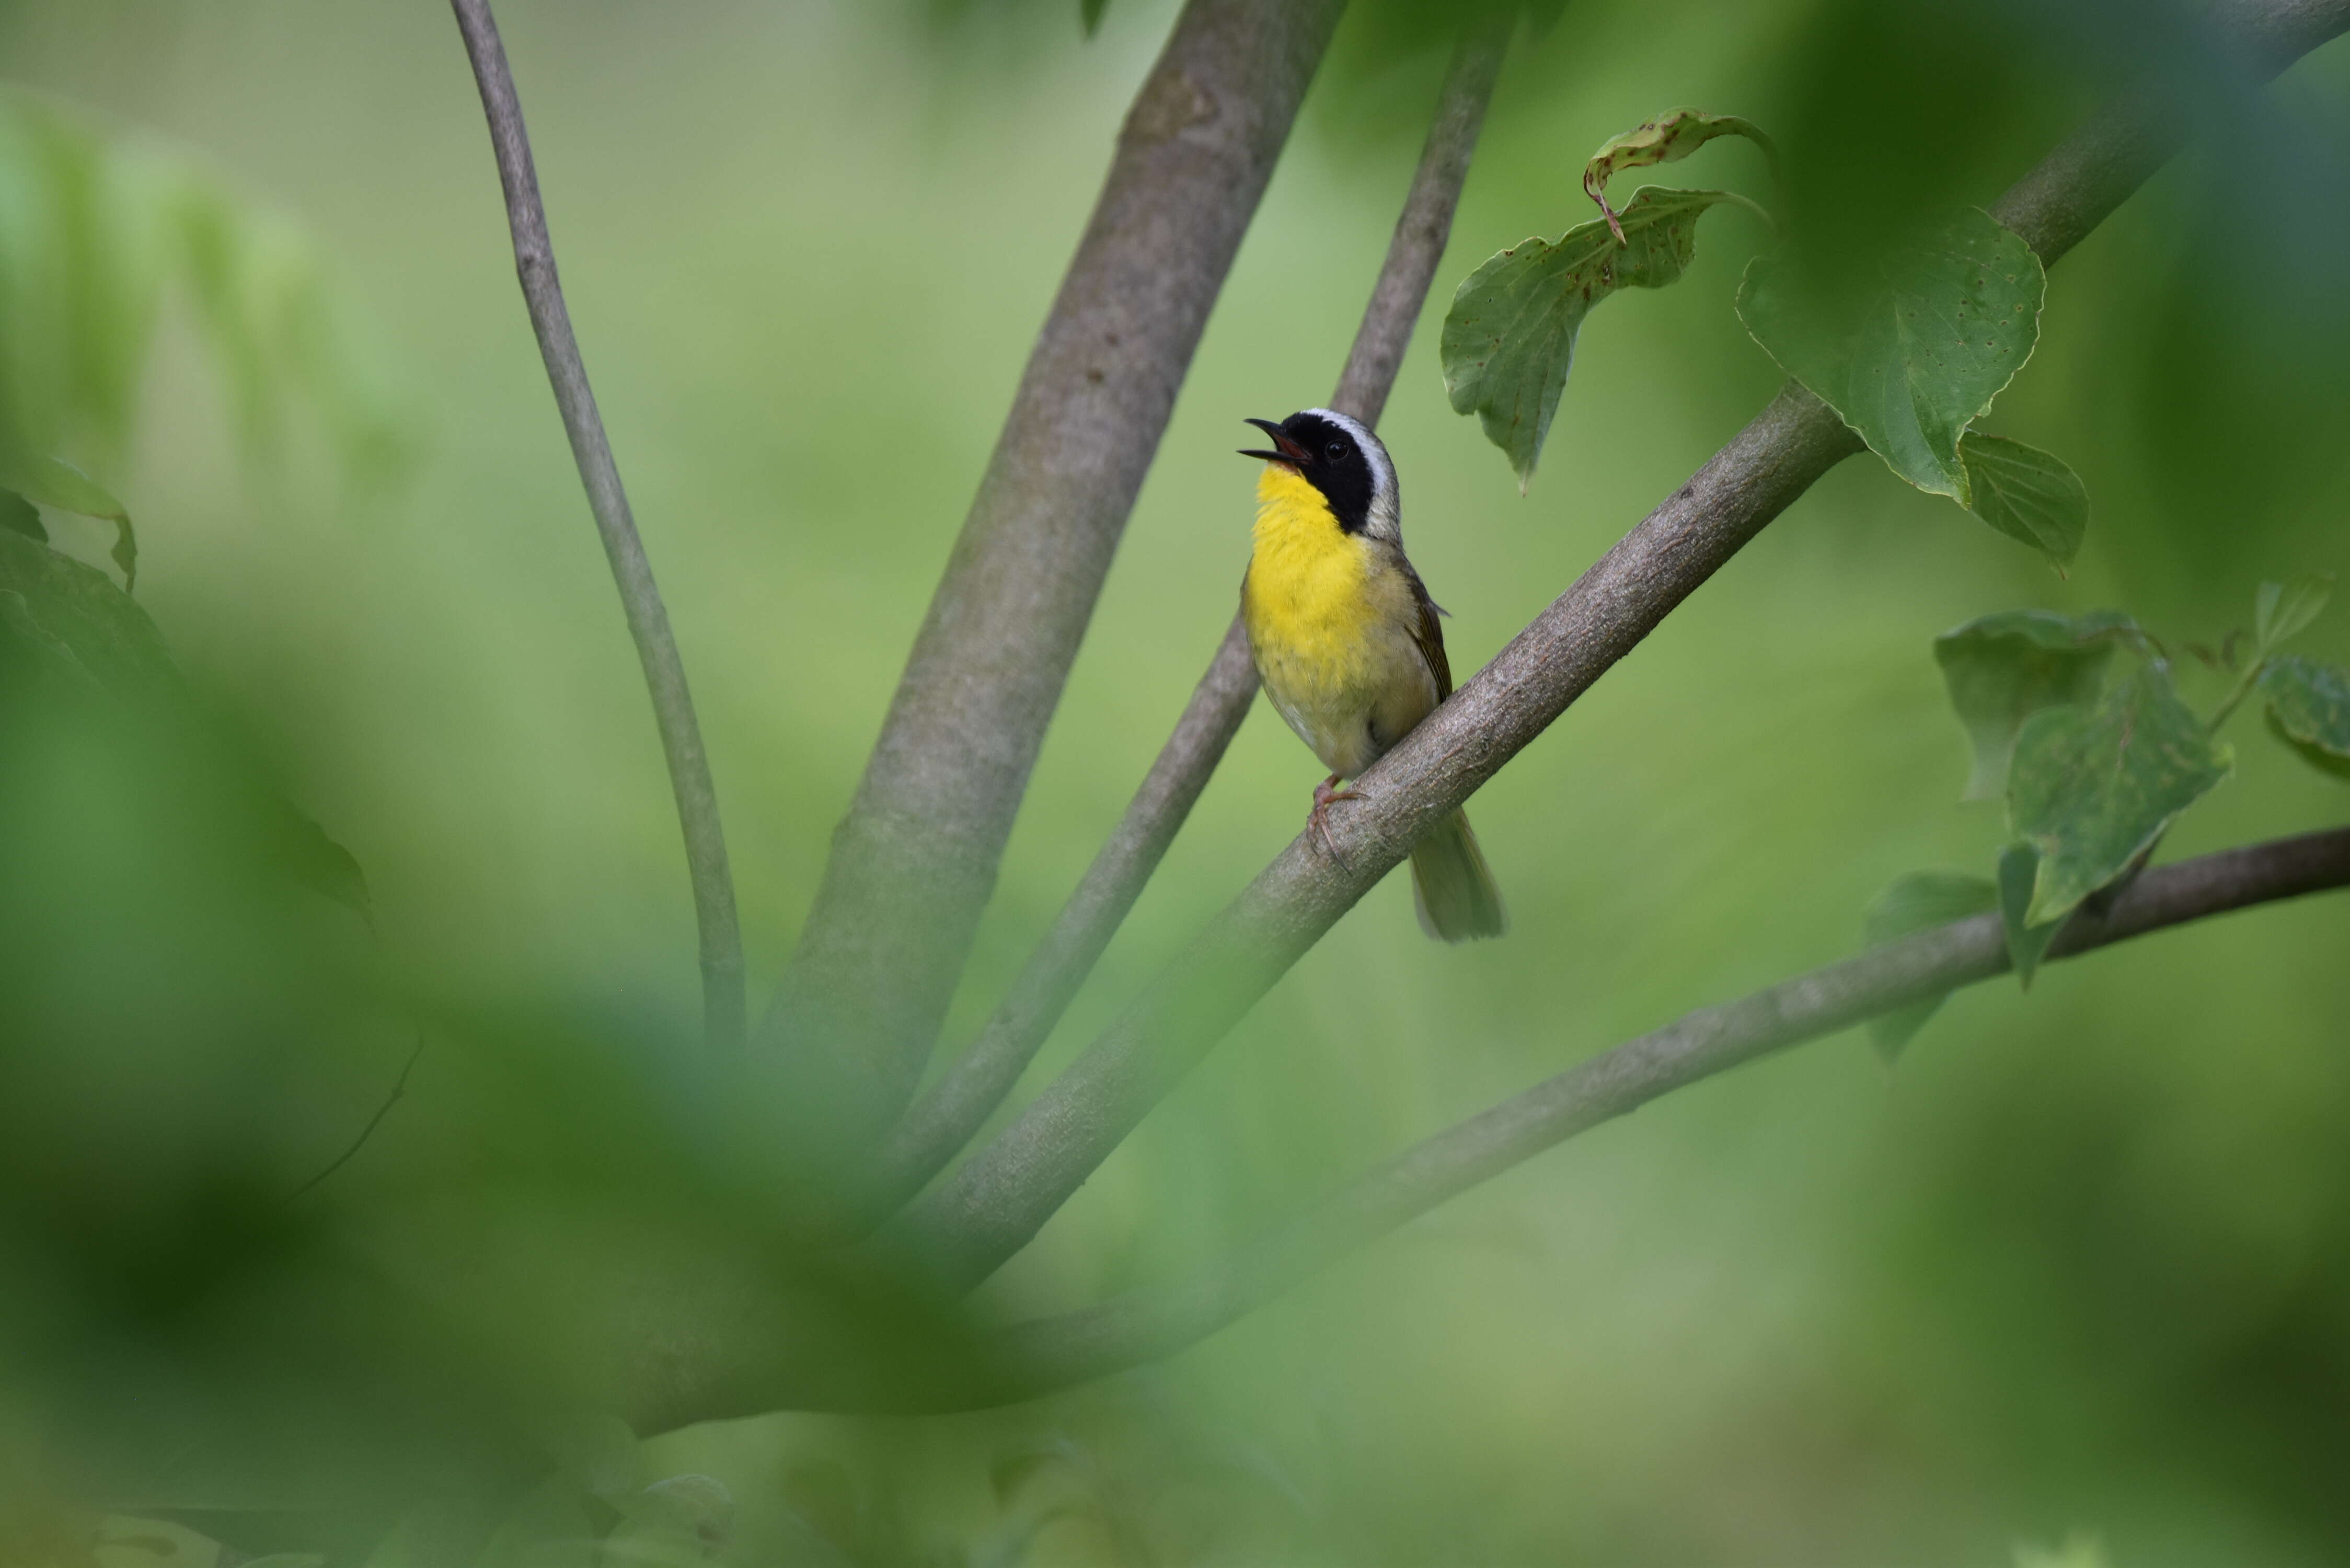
[[1147, 1324], [914, 861], [999, 1198], [952, 1110], [680, 732]]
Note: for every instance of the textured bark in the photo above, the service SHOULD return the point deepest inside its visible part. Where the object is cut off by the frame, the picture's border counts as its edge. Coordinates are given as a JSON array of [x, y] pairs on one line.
[[914, 861], [680, 732], [952, 1110], [999, 1198]]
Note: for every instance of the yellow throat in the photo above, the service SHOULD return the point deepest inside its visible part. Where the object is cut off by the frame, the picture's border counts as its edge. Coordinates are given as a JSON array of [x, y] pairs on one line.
[[1306, 575]]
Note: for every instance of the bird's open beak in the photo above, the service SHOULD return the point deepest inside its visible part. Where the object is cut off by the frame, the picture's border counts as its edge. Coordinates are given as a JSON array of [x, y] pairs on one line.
[[1291, 453]]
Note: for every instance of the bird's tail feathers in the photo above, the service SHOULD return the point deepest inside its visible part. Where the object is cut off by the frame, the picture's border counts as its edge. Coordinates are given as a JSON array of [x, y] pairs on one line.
[[1451, 886]]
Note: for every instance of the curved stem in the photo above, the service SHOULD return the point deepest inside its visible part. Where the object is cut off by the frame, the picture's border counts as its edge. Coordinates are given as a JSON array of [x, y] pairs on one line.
[[680, 732]]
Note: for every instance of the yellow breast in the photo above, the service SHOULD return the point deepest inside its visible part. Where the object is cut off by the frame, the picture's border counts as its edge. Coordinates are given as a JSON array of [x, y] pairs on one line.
[[1308, 600]]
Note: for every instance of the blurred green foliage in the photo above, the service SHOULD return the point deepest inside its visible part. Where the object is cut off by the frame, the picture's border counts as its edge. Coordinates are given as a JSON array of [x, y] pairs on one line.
[[2073, 1271]]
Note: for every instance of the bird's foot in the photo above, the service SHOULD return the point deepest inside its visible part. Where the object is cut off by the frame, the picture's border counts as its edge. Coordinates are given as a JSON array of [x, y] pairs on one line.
[[1317, 821]]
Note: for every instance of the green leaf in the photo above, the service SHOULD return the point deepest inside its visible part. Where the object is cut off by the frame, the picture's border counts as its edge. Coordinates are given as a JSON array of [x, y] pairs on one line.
[[1509, 338], [1090, 14], [19, 515], [1914, 903], [49, 651], [2093, 785], [67, 489], [61, 485], [80, 626], [2027, 944], [2283, 608], [1671, 136], [1912, 363], [2003, 669], [107, 632], [2027, 494], [2309, 709]]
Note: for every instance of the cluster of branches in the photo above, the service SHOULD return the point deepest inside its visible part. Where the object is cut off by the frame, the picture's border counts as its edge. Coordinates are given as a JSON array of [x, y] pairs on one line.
[[914, 861]]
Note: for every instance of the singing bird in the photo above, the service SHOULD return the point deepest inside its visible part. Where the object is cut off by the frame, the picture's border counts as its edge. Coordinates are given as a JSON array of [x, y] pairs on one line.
[[1347, 641]]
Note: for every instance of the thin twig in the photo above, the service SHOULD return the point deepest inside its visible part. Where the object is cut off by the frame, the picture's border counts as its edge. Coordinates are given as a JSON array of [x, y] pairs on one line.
[[1147, 1324], [914, 861], [954, 1109], [681, 733], [997, 1199], [399, 1087], [1426, 224]]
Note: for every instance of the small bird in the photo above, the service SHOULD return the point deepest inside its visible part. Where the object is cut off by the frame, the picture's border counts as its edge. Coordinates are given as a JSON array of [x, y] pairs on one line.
[[1347, 642]]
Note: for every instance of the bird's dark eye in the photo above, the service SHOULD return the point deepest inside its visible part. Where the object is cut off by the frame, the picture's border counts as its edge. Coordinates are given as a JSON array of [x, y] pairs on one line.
[[1335, 451]]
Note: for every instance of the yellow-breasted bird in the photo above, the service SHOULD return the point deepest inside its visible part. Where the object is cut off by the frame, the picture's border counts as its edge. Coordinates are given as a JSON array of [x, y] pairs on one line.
[[1347, 641]]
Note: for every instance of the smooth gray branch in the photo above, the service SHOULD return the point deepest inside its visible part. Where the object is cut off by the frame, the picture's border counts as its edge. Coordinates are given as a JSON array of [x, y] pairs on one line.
[[681, 733], [952, 1110], [1147, 1324], [998, 1199], [914, 861]]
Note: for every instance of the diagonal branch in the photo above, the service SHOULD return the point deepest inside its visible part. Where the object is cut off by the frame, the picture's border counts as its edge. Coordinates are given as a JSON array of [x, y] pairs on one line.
[[746, 1372], [1148, 1324], [952, 1110], [999, 1198], [681, 733], [914, 861]]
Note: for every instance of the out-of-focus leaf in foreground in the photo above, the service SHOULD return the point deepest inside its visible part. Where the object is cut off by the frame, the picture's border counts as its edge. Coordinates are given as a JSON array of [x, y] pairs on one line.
[[2003, 669], [68, 489], [2309, 709], [1914, 903], [1509, 338], [76, 608], [75, 623], [19, 515], [98, 229], [2093, 785], [1912, 363]]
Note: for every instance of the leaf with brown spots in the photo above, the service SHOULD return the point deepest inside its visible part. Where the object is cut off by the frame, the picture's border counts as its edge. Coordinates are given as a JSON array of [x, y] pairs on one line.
[[1671, 137]]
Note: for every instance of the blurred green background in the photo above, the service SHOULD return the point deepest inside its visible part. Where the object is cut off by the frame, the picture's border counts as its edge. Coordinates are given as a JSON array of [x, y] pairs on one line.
[[2079, 1266]]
